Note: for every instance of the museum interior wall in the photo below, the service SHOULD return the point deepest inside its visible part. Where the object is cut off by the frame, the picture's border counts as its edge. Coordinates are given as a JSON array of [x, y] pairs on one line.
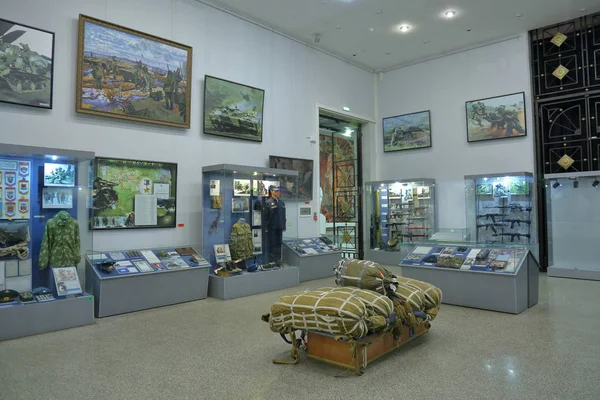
[[295, 78], [443, 86]]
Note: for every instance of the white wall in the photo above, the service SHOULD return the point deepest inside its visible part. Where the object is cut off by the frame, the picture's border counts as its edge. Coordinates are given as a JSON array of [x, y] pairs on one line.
[[442, 86], [294, 77]]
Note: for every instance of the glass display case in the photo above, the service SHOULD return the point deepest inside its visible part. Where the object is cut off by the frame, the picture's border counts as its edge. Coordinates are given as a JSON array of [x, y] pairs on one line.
[[573, 220], [500, 208], [400, 211], [247, 214]]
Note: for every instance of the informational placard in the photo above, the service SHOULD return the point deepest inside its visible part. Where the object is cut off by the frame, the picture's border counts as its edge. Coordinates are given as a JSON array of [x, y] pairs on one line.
[[66, 280], [222, 253], [145, 210]]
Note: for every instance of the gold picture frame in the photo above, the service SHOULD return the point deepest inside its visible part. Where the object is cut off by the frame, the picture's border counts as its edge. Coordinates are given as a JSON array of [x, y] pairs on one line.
[[127, 83]]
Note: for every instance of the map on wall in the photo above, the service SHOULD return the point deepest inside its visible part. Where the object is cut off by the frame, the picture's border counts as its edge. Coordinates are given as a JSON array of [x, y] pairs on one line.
[[15, 188], [134, 194]]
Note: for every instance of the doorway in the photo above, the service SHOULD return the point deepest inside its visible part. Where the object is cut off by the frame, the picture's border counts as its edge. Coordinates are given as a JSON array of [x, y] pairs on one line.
[[340, 183]]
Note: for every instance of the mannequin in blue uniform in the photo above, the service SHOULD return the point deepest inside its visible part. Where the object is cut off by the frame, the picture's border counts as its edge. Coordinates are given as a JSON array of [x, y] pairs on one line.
[[275, 224]]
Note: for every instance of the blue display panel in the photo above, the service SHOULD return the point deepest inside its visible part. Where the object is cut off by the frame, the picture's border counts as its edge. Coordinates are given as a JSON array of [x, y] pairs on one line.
[[310, 246]]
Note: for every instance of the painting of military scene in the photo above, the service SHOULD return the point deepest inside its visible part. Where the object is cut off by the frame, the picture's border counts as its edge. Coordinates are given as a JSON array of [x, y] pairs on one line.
[[59, 174], [233, 110], [127, 74], [407, 132], [26, 65], [304, 187], [496, 118], [129, 193]]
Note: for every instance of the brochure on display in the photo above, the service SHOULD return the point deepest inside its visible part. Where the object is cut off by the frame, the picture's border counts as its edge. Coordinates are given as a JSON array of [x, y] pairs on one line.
[[466, 258], [147, 261], [310, 247]]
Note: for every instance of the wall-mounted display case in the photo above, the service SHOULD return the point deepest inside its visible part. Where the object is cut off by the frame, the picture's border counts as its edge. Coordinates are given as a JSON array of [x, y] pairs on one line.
[[44, 217], [399, 211], [244, 226], [500, 208], [573, 221]]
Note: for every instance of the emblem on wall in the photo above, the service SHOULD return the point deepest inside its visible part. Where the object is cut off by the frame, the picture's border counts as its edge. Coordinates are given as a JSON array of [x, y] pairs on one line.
[[23, 187], [11, 209], [24, 168], [24, 206], [11, 194], [10, 178]]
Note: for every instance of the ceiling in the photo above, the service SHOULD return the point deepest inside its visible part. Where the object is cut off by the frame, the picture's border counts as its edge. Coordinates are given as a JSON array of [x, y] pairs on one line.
[[365, 32]]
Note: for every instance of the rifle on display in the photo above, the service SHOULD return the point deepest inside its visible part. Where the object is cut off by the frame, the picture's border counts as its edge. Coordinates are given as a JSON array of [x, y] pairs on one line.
[[410, 236], [517, 221], [511, 207], [415, 227], [514, 235], [492, 216], [493, 226]]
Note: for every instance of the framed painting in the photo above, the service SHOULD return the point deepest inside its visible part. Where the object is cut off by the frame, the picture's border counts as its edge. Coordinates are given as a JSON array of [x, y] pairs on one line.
[[26, 65], [305, 176], [123, 73], [407, 132], [496, 118], [130, 194], [233, 110]]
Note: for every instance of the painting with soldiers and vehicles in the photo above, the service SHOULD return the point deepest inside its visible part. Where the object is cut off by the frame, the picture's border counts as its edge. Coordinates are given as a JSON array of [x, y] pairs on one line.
[[232, 109], [496, 117], [407, 132], [123, 73], [26, 65], [118, 183]]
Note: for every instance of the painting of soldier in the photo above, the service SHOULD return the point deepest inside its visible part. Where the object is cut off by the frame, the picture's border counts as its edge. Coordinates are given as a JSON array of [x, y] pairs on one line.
[[26, 65], [496, 118], [407, 132], [128, 74]]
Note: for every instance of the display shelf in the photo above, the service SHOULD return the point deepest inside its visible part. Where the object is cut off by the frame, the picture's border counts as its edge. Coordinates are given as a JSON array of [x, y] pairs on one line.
[[121, 291], [251, 283], [314, 257], [18, 320], [500, 278]]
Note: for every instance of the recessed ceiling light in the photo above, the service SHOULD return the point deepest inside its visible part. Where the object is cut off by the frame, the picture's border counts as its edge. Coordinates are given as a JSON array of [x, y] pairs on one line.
[[582, 9], [450, 14], [426, 42], [468, 30], [379, 12], [387, 53], [338, 27], [404, 28], [519, 15], [371, 29]]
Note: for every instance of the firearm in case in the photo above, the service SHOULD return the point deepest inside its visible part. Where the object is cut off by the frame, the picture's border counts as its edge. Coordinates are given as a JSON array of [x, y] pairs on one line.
[[410, 236], [491, 216], [517, 221], [493, 226], [513, 235]]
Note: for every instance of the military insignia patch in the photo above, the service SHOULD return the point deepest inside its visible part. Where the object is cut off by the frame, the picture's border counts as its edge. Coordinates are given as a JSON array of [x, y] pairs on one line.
[[24, 168], [560, 72], [11, 209], [558, 39], [23, 187], [566, 162], [10, 178], [24, 206], [11, 194]]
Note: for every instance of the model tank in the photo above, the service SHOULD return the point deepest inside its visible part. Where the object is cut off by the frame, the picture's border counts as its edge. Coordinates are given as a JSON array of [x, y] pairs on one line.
[[227, 119], [23, 70]]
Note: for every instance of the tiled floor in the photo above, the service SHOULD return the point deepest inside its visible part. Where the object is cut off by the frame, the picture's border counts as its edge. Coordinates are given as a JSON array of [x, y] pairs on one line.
[[215, 349]]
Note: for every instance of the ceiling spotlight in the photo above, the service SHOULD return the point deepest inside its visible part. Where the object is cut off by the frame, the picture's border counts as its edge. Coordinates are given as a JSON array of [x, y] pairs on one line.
[[426, 42], [379, 12], [582, 9], [54, 158], [387, 53], [575, 183], [468, 30], [338, 27], [404, 28], [450, 14], [519, 15], [556, 184], [371, 29], [596, 183]]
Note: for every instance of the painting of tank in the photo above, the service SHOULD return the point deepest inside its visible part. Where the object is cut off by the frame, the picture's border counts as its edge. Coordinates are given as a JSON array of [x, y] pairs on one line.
[[26, 65], [407, 132], [123, 73], [496, 118], [129, 193], [233, 110]]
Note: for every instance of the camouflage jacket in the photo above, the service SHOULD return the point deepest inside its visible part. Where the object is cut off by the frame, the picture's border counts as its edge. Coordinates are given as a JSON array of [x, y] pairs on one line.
[[241, 241], [60, 243]]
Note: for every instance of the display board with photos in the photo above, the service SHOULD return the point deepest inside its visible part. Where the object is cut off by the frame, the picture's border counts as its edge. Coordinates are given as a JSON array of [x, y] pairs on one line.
[[26, 65], [498, 117], [400, 211], [463, 257], [305, 176], [144, 261], [232, 109], [500, 207], [127, 74], [129, 194]]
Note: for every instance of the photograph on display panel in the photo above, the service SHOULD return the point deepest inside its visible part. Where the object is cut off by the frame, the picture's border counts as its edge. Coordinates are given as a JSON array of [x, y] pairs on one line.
[[496, 117], [123, 73], [26, 65], [305, 177], [232, 109], [134, 194], [407, 132]]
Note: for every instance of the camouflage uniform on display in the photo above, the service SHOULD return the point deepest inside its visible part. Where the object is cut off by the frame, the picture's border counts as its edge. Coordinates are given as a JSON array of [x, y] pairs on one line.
[[60, 243], [241, 241]]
